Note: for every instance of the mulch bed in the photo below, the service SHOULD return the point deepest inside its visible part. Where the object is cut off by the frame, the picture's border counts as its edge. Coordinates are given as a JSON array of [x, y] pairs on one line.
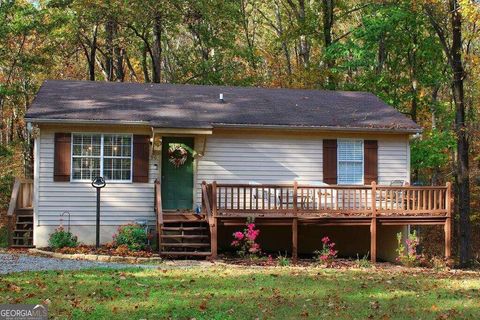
[[120, 251]]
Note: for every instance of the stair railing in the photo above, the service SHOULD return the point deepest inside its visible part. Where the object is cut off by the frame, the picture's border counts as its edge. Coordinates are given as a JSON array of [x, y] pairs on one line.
[[158, 210], [206, 190], [22, 195], [21, 198]]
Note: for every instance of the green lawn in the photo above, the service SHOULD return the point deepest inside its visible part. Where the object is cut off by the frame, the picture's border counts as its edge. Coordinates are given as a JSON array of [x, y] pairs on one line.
[[248, 293]]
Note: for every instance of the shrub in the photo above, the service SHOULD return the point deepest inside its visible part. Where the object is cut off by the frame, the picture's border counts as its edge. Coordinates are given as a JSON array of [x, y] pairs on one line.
[[363, 262], [61, 239], [408, 256], [3, 236], [134, 236], [328, 253], [283, 261], [438, 264], [244, 241]]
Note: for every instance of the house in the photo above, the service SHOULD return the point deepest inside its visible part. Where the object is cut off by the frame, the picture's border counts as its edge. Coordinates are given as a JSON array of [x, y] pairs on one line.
[[193, 162]]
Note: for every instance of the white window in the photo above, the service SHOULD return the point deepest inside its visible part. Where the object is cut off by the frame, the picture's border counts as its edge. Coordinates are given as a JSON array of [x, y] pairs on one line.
[[106, 155], [350, 161]]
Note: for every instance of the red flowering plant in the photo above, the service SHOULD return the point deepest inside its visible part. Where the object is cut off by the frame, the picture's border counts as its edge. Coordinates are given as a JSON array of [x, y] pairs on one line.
[[328, 253], [244, 241], [408, 255]]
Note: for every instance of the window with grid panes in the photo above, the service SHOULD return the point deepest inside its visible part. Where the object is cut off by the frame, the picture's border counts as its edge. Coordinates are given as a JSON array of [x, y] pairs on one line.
[[349, 161], [106, 155]]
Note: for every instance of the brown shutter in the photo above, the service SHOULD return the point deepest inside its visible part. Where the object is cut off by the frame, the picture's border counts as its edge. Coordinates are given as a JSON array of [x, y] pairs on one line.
[[61, 166], [141, 151], [330, 161], [370, 170]]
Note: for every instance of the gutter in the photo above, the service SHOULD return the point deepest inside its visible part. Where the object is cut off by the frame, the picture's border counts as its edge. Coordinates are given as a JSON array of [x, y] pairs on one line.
[[320, 128], [78, 121]]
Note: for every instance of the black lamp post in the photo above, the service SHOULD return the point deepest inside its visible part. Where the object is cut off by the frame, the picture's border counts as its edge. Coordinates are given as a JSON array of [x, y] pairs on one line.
[[98, 183]]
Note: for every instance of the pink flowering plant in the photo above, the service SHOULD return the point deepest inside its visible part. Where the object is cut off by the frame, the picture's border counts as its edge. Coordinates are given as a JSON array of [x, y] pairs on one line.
[[407, 254], [328, 253], [245, 241]]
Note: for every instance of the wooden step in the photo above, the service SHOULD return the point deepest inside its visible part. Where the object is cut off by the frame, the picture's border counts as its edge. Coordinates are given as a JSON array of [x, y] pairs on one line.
[[22, 246], [22, 230], [184, 236], [186, 245], [26, 217], [22, 237], [185, 254], [183, 228], [24, 225], [184, 221]]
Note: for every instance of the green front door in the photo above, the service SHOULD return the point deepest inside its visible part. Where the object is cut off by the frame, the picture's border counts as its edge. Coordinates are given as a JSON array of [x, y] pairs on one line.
[[177, 173]]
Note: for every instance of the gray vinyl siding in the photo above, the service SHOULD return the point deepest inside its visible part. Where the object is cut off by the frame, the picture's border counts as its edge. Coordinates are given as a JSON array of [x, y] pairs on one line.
[[121, 203], [393, 160]]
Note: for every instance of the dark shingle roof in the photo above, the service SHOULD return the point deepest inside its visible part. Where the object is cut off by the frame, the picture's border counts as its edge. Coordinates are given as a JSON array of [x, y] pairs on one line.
[[195, 106]]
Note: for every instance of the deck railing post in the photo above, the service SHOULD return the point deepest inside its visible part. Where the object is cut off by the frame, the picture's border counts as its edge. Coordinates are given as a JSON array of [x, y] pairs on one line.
[[158, 211], [295, 197], [448, 221], [373, 225], [203, 208], [213, 223], [295, 240]]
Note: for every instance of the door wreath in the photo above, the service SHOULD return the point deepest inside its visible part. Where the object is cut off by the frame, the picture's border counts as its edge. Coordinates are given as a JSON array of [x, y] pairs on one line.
[[177, 155]]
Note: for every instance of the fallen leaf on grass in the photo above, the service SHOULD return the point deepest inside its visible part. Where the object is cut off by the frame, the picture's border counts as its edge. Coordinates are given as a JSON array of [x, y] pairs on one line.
[[375, 305], [203, 305], [13, 287]]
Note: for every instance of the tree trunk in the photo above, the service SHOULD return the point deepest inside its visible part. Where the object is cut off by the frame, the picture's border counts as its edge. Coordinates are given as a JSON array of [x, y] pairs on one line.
[[433, 106], [91, 55], [119, 69], [109, 38], [133, 74], [246, 29], [462, 177], [304, 48], [303, 42], [146, 76], [382, 54], [279, 29], [412, 61], [157, 49], [327, 8]]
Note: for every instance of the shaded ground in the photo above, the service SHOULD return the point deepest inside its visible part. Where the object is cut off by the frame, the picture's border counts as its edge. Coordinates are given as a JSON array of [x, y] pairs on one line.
[[233, 292], [22, 262]]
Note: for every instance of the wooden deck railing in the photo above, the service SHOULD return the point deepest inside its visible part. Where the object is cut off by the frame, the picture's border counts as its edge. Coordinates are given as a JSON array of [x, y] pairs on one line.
[[325, 200]]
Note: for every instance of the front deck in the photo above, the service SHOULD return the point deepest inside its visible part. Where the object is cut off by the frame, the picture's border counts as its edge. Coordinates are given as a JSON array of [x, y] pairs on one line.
[[327, 205]]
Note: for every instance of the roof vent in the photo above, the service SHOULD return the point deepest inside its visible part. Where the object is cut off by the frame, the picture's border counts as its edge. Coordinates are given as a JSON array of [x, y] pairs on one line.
[[220, 97]]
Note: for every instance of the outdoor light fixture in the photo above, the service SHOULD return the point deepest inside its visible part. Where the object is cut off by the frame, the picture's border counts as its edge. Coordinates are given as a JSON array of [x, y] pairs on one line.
[[98, 183]]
